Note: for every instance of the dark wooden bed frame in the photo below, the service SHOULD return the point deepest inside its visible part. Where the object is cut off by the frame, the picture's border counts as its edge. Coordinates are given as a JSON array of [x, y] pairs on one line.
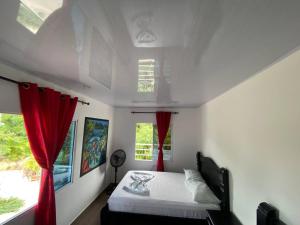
[[215, 177]]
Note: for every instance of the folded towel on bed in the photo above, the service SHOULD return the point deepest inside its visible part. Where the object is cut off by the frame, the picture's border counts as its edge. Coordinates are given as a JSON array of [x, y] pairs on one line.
[[139, 184], [144, 192], [141, 176]]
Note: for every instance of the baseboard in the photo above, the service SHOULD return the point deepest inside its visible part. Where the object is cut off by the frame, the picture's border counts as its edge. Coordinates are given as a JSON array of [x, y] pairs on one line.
[[89, 204]]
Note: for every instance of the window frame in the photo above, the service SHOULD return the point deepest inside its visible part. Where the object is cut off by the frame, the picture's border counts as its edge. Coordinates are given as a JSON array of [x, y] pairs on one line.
[[154, 159], [73, 160], [172, 145], [30, 207]]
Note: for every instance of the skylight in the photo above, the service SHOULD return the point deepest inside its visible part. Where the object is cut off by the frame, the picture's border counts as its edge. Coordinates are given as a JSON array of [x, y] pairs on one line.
[[146, 72], [33, 13]]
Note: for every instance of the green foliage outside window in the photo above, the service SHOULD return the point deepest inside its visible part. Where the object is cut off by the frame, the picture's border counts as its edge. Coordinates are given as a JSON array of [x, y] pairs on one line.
[[143, 141], [12, 204], [167, 143], [13, 139], [15, 152], [31, 169], [146, 141], [63, 157]]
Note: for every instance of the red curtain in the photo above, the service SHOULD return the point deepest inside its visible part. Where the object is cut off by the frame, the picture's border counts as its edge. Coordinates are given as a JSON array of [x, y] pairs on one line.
[[47, 116], [163, 123]]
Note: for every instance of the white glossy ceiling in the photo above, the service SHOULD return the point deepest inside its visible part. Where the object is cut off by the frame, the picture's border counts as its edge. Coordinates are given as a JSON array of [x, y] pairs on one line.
[[201, 48]]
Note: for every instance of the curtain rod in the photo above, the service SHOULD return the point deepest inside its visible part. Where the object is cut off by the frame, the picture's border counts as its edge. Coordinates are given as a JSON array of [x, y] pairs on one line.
[[17, 82], [133, 112]]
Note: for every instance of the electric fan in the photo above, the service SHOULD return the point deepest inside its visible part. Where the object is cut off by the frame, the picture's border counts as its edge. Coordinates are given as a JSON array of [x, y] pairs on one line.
[[117, 159]]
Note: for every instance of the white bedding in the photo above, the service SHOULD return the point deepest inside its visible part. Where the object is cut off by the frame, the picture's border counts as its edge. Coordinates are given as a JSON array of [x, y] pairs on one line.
[[168, 197]]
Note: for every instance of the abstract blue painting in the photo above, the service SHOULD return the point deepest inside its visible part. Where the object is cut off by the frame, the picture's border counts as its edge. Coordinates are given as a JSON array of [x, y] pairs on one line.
[[94, 144]]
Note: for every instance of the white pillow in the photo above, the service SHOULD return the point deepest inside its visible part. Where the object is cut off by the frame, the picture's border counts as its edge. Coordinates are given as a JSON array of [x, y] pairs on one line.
[[201, 192], [193, 175]]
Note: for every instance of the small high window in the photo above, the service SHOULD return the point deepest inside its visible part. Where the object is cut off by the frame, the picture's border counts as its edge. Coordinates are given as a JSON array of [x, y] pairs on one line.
[[146, 72], [146, 142]]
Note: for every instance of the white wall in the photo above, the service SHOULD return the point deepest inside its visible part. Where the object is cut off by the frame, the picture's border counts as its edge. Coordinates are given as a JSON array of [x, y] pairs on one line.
[[184, 139], [74, 197], [254, 131]]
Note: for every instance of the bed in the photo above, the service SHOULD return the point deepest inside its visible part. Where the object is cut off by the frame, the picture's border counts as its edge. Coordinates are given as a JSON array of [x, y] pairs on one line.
[[169, 202]]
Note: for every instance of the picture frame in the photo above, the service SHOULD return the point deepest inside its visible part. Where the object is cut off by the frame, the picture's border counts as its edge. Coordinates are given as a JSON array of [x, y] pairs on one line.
[[94, 144], [63, 165]]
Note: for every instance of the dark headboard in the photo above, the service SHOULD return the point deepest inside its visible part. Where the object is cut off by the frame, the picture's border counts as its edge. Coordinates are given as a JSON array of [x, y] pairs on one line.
[[216, 178]]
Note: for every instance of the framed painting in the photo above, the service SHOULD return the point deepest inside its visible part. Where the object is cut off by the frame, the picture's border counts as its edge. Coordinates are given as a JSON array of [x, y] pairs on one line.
[[63, 166], [94, 145]]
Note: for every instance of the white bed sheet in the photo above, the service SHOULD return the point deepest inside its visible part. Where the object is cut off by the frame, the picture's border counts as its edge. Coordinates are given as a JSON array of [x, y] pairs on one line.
[[168, 197]]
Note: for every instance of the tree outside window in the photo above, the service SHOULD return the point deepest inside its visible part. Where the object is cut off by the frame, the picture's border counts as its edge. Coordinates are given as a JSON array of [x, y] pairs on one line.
[[18, 168], [146, 142]]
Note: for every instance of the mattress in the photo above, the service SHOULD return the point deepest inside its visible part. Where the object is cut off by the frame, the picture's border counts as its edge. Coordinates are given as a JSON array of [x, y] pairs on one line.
[[168, 197]]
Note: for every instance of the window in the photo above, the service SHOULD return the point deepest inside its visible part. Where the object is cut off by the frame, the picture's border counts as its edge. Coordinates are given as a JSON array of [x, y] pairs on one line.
[[166, 146], [33, 13], [146, 142], [18, 168], [63, 166], [146, 69]]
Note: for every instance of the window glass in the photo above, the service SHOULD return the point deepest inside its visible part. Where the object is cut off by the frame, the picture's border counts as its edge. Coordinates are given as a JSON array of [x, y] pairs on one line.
[[146, 142], [63, 166], [19, 172], [166, 147]]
